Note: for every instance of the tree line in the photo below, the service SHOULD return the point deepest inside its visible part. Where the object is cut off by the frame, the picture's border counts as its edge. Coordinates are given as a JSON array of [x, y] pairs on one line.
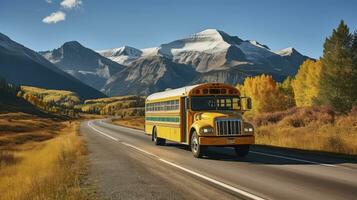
[[330, 81]]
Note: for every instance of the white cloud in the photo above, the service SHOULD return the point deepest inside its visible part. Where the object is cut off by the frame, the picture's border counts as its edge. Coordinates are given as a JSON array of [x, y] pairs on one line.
[[54, 17], [69, 4], [49, 1]]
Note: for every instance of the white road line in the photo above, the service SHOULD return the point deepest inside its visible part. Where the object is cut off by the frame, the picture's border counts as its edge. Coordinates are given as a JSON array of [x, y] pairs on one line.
[[290, 158], [139, 149], [226, 186], [239, 191], [113, 138]]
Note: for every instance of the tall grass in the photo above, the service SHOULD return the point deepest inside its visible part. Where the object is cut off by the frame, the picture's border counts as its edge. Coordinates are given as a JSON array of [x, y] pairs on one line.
[[313, 128], [44, 170]]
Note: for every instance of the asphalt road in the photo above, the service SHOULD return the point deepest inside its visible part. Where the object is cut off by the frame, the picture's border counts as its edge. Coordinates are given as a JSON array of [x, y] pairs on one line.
[[125, 164]]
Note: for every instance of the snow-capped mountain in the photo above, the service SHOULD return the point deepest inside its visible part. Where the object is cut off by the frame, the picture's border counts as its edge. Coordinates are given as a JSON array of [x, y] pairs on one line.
[[207, 56], [122, 55], [22, 66], [83, 63]]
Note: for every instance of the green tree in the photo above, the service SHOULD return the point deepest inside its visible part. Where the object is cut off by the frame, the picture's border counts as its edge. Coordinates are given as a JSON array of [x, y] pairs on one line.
[[354, 68], [337, 82]]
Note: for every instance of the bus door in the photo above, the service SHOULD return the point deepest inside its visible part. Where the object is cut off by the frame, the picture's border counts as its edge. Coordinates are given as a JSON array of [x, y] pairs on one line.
[[183, 118]]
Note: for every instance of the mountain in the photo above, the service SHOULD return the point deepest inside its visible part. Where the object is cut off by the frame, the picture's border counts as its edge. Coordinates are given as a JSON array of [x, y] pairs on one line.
[[22, 66], [122, 55], [207, 56], [214, 56], [83, 63], [150, 74], [293, 56]]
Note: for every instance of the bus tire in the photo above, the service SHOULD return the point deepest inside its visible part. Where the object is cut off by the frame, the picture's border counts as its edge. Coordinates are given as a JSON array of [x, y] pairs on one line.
[[196, 148], [158, 141], [241, 150]]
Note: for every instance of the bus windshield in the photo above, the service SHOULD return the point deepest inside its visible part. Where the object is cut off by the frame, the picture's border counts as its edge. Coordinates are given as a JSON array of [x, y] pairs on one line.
[[215, 103]]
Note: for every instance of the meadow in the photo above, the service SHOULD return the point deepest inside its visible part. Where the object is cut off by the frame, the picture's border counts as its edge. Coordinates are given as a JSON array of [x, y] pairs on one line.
[[41, 158]]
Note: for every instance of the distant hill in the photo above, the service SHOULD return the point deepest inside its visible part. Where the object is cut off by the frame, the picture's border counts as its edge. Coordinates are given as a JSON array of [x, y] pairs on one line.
[[22, 66]]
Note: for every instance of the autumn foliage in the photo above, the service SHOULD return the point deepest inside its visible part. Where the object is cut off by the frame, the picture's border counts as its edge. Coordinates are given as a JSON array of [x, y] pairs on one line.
[[306, 83], [264, 92]]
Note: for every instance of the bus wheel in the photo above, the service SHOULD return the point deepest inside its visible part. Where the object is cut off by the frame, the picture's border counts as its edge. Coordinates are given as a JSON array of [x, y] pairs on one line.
[[196, 148], [158, 141], [242, 150]]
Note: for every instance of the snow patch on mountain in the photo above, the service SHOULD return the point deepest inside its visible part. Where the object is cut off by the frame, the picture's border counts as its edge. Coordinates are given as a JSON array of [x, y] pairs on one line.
[[285, 52]]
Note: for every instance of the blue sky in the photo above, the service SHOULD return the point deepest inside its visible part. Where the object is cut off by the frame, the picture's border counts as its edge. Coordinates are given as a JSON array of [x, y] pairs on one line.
[[146, 23]]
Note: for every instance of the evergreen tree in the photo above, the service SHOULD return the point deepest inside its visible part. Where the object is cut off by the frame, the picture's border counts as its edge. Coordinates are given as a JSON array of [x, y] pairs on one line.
[[337, 84], [354, 68]]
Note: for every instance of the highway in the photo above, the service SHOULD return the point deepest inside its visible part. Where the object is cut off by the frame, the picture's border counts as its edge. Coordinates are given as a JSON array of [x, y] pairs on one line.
[[125, 164]]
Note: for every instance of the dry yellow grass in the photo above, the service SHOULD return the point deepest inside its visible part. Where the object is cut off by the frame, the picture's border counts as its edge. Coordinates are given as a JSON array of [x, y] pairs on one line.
[[132, 122], [46, 169], [309, 129], [328, 138]]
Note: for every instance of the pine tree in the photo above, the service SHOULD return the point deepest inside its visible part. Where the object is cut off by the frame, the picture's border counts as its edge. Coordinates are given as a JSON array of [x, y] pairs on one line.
[[354, 69], [336, 84]]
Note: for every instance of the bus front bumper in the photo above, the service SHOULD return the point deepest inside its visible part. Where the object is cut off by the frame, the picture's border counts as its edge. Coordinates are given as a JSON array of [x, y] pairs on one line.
[[226, 141]]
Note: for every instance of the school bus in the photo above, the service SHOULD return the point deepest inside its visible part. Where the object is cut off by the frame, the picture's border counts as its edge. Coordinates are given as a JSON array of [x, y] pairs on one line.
[[201, 115]]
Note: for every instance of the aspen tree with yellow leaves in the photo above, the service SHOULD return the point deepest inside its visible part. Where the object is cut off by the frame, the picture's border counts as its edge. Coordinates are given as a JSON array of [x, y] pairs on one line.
[[306, 83]]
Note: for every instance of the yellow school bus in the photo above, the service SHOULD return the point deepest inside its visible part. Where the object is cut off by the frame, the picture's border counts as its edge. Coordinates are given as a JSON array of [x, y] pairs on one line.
[[201, 115]]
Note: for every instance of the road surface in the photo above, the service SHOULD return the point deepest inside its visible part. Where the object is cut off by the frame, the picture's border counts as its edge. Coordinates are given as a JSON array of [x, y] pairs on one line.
[[125, 164]]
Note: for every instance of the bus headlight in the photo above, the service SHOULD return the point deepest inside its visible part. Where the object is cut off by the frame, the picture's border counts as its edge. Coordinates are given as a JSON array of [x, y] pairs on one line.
[[206, 130], [248, 130]]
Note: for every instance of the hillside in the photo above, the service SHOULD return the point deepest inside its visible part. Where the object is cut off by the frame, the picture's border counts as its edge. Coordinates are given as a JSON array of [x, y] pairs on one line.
[[22, 66], [119, 106], [10, 102]]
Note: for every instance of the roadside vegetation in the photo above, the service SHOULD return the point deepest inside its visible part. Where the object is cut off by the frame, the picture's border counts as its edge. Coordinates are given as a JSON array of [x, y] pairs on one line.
[[316, 109], [40, 158]]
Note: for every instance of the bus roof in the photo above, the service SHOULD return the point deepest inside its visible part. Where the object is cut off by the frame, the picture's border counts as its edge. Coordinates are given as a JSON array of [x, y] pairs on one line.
[[183, 91]]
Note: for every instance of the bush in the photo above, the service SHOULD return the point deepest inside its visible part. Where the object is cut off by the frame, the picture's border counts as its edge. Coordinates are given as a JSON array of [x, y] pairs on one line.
[[296, 117]]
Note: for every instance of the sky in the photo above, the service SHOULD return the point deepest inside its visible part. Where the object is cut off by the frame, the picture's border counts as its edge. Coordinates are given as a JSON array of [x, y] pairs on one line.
[[104, 24]]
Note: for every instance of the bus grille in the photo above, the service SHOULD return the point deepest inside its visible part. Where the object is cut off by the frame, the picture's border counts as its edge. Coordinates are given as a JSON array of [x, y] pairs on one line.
[[227, 127]]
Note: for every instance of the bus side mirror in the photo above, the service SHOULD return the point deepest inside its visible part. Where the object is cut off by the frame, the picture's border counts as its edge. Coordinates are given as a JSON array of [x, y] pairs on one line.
[[249, 103]]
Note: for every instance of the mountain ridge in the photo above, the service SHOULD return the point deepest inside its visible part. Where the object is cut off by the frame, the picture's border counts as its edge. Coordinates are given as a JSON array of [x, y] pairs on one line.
[[22, 66], [211, 55]]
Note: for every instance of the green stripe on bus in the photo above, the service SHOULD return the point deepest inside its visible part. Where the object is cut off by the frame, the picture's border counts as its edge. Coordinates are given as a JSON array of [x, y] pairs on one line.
[[163, 119]]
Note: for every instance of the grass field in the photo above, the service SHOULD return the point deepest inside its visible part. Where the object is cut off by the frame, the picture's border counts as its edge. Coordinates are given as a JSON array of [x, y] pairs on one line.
[[41, 158], [316, 129]]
